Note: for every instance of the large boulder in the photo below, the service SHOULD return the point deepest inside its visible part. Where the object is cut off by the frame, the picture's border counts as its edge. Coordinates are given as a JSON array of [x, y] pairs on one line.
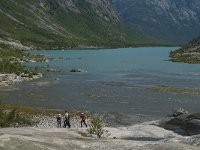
[[188, 123], [3, 77]]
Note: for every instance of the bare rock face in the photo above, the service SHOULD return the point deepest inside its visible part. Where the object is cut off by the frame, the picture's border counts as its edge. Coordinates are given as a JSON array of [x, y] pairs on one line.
[[194, 140], [68, 5], [139, 137], [189, 123], [176, 20], [103, 8], [3, 77]]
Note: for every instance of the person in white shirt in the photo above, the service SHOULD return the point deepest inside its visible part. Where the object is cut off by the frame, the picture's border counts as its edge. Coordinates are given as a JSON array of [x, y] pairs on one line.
[[67, 120]]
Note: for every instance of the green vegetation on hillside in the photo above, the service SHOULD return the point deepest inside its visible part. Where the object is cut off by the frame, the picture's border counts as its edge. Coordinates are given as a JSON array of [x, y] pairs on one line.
[[189, 53], [51, 26], [7, 55], [10, 61]]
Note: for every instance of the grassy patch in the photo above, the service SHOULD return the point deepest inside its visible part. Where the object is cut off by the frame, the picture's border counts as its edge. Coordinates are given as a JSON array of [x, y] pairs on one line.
[[7, 60], [12, 118], [175, 90], [11, 61], [31, 110]]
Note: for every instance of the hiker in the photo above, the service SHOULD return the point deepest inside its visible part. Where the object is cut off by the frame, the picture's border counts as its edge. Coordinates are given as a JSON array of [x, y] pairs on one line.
[[59, 117], [83, 120], [67, 121]]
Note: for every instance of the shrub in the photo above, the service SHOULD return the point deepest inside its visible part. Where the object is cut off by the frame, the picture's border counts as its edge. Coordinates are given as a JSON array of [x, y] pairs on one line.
[[96, 128]]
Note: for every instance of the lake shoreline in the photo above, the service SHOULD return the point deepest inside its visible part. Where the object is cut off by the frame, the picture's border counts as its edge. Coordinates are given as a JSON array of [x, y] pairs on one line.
[[7, 80], [121, 86], [46, 116]]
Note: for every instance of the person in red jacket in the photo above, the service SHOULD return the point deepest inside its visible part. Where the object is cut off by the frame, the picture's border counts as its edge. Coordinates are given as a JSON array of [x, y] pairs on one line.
[[83, 120]]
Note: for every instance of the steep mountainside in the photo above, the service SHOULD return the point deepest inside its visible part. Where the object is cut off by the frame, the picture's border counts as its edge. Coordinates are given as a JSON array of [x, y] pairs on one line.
[[189, 53], [65, 24], [175, 20]]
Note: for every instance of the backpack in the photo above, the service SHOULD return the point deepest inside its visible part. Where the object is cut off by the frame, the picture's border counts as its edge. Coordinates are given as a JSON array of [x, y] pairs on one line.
[[58, 117]]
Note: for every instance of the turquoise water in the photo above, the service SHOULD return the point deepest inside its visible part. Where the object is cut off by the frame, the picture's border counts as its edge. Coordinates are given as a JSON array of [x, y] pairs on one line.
[[117, 80]]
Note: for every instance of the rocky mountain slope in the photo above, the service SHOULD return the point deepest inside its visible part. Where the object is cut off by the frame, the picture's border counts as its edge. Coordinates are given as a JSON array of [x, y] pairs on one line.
[[175, 20], [65, 24]]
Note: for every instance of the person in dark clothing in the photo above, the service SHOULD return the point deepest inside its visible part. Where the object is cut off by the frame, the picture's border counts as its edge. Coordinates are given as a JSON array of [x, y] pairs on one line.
[[83, 120], [59, 117], [67, 120]]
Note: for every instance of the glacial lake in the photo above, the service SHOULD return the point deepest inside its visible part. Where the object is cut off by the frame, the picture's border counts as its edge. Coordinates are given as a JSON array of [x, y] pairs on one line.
[[117, 80]]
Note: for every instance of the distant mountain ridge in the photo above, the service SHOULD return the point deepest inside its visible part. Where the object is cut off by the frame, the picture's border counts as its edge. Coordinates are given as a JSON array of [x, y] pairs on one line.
[[175, 20], [44, 24]]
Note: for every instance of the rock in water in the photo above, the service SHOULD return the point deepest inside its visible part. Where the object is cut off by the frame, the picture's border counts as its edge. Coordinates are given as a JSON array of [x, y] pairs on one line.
[[179, 111], [77, 70]]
